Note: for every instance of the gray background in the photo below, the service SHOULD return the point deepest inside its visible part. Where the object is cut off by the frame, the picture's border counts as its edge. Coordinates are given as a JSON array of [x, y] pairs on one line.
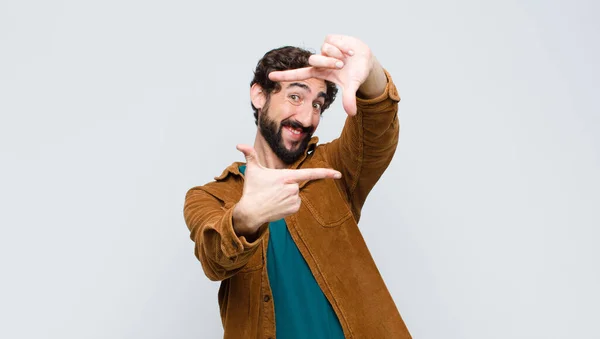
[[484, 226]]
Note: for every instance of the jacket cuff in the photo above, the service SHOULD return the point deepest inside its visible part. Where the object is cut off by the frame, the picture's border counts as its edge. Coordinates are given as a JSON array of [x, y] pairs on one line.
[[234, 245]]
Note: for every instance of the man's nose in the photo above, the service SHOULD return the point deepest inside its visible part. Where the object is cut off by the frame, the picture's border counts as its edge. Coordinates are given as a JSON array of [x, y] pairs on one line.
[[304, 115]]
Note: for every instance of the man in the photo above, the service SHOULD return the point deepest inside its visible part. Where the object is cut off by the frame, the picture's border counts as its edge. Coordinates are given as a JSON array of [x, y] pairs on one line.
[[280, 230]]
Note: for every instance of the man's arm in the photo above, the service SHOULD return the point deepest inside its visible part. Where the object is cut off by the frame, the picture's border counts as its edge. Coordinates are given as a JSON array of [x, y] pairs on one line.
[[220, 250], [368, 140]]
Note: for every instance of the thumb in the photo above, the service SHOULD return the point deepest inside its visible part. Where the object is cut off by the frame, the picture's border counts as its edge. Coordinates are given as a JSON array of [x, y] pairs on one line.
[[249, 153], [349, 99]]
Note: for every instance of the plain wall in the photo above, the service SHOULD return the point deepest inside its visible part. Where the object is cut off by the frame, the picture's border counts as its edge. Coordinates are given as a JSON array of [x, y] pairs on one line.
[[484, 226]]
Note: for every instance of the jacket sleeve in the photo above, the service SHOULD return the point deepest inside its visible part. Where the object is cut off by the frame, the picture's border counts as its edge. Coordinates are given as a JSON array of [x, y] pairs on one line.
[[219, 249], [366, 145]]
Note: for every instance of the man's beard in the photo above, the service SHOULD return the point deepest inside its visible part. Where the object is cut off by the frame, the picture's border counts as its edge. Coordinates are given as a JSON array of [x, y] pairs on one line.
[[273, 136]]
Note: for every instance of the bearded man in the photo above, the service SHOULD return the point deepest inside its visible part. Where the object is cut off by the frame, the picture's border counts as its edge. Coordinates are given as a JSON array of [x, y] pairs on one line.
[[280, 230]]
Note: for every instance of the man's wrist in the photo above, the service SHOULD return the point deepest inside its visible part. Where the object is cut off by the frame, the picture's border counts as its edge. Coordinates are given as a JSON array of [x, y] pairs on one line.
[[375, 83], [244, 223]]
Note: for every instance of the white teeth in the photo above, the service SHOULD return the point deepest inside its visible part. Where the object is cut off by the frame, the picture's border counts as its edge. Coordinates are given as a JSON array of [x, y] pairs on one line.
[[294, 131]]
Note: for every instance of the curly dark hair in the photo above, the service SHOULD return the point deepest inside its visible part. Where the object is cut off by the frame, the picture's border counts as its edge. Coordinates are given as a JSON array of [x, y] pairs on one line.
[[281, 59]]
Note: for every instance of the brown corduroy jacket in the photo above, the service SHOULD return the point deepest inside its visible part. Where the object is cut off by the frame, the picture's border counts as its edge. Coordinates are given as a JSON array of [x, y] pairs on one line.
[[325, 229]]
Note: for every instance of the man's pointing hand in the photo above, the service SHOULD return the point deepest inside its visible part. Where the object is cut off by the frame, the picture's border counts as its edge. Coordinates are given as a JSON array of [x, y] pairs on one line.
[[270, 194]]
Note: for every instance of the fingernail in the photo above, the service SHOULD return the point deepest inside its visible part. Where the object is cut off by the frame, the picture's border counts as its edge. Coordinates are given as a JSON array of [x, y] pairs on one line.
[[351, 52], [337, 175], [339, 64]]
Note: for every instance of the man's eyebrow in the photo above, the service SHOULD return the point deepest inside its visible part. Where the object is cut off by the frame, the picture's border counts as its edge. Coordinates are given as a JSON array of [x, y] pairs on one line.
[[304, 86], [299, 84]]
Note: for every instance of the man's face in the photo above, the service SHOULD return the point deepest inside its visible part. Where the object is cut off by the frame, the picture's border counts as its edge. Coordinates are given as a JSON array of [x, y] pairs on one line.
[[289, 118]]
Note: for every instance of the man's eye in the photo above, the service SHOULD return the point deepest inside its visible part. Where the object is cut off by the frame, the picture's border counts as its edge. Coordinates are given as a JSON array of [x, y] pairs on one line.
[[317, 105], [294, 97]]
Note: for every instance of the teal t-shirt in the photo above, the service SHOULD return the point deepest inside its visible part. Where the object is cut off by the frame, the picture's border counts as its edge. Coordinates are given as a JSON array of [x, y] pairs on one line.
[[301, 308]]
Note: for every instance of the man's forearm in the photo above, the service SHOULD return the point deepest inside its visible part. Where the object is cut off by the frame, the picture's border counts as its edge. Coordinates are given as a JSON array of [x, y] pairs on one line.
[[367, 143]]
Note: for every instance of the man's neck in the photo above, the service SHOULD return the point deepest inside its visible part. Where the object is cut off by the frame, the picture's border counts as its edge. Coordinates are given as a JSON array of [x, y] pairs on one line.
[[265, 154]]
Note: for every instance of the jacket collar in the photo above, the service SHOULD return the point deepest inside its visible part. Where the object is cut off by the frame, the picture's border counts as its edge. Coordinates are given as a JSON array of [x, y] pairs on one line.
[[235, 170]]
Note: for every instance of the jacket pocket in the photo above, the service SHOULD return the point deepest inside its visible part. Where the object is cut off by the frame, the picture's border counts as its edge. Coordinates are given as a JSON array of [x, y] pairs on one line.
[[324, 201]]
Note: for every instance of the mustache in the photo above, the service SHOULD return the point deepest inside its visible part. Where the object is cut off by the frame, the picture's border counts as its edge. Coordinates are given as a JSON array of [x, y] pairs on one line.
[[296, 125]]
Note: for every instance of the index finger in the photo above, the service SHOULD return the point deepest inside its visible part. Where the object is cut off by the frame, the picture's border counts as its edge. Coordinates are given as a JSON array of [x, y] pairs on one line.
[[293, 74], [298, 175]]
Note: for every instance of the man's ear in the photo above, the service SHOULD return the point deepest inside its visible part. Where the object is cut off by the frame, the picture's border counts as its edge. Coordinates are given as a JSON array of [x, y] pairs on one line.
[[257, 96]]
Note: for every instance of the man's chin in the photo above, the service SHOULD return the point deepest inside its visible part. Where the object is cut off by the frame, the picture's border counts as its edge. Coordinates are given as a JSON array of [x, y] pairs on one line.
[[290, 155], [292, 148]]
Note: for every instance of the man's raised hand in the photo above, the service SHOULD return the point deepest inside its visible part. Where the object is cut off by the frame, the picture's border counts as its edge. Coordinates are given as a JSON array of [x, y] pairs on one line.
[[344, 60]]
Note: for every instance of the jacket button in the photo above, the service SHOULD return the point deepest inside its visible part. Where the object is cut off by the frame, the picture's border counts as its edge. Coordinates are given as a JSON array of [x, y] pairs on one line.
[[266, 298]]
